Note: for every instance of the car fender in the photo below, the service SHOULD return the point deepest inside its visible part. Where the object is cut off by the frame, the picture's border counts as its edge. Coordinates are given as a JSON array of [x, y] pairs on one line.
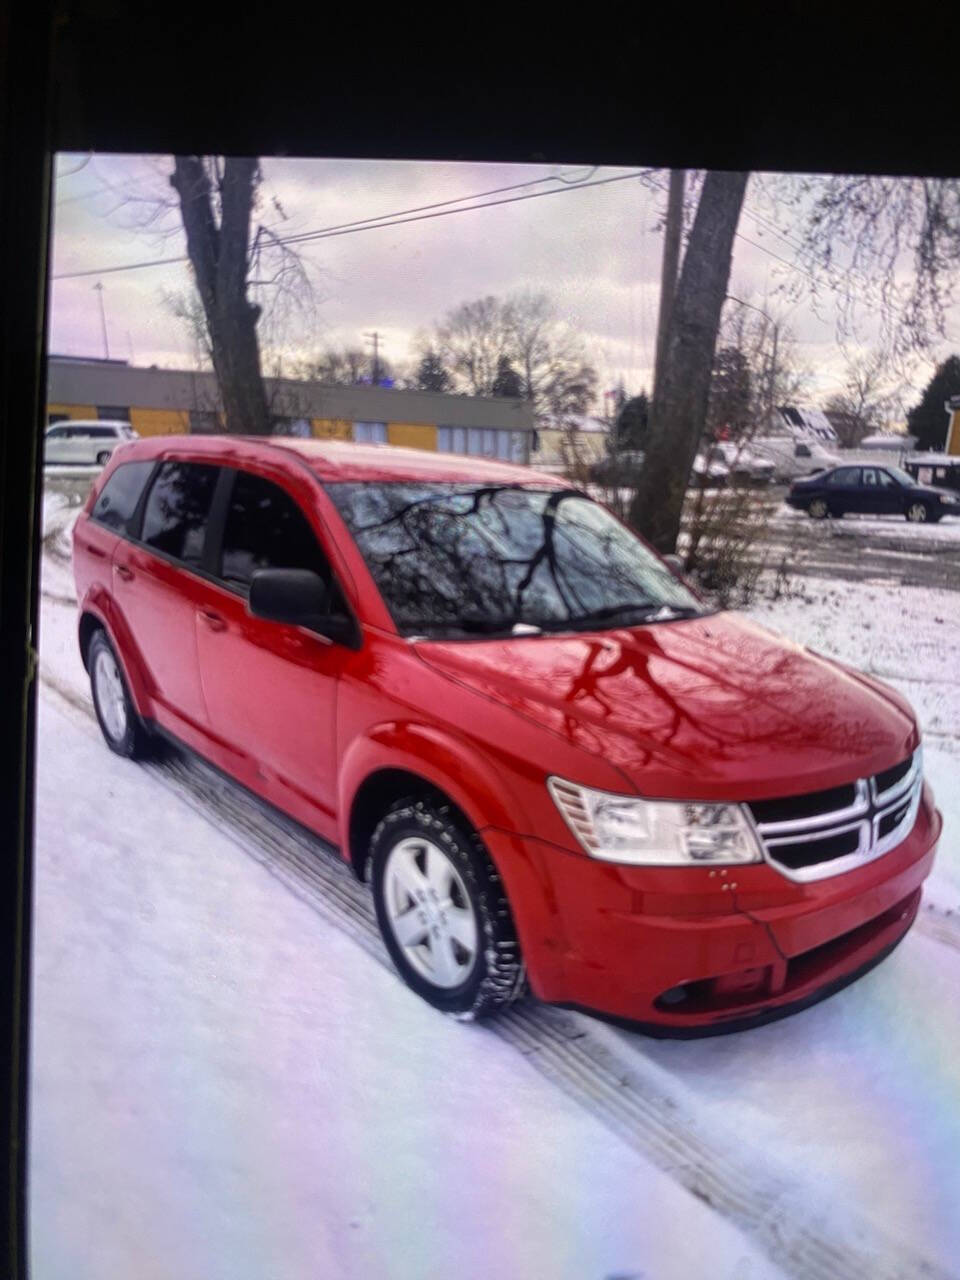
[[99, 604], [443, 759]]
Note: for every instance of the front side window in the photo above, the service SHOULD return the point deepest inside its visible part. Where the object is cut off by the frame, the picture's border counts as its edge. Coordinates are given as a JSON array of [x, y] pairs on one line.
[[900, 476], [845, 476], [178, 508], [462, 559], [119, 496], [266, 529]]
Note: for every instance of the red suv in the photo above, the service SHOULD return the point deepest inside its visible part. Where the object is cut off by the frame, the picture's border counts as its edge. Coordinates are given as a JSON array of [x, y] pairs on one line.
[[554, 763]]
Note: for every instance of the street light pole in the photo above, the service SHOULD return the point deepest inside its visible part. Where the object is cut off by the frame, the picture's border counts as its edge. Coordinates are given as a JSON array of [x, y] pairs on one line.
[[103, 320]]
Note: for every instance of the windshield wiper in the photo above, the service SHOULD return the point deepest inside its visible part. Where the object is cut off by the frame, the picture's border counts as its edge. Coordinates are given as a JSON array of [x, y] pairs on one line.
[[647, 611]]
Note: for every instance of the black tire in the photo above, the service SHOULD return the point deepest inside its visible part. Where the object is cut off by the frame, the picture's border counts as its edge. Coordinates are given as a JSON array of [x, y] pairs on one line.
[[497, 976], [818, 509], [918, 507], [135, 742], [103, 458]]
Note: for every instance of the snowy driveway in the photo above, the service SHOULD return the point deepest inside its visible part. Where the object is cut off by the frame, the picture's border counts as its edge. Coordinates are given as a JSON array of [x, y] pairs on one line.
[[226, 1082]]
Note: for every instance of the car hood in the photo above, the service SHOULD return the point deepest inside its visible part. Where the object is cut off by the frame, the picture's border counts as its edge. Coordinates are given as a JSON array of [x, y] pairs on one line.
[[709, 707]]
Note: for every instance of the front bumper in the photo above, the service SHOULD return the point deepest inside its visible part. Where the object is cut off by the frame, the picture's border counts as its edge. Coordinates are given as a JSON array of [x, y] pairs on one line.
[[685, 952]]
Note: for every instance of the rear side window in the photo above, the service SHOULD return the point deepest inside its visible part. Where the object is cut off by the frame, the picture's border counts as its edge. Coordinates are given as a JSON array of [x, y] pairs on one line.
[[265, 529], [178, 508], [119, 496]]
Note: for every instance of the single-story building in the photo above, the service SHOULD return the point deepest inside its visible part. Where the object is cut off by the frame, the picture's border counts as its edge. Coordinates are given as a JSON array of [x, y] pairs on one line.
[[952, 445], [178, 401], [580, 440]]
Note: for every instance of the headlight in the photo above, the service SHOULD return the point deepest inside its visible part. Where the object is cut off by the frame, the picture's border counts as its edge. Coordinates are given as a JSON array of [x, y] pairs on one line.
[[655, 833]]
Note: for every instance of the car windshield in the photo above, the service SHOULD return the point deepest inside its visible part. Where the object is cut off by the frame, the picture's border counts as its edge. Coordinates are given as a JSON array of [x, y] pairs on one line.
[[903, 477], [457, 559]]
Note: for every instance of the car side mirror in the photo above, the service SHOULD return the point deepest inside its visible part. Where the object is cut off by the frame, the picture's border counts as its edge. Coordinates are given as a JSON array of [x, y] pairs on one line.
[[674, 561], [300, 598]]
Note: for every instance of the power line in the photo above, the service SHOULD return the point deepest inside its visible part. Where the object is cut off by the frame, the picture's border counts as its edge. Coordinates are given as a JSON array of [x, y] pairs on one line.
[[384, 220]]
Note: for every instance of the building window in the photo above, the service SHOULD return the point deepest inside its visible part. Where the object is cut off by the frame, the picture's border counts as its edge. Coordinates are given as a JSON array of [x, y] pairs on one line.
[[518, 446], [370, 432], [483, 442], [113, 412]]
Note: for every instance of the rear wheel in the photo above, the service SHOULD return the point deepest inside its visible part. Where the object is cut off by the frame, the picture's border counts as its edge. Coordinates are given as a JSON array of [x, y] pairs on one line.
[[124, 731], [818, 509], [443, 912], [918, 512]]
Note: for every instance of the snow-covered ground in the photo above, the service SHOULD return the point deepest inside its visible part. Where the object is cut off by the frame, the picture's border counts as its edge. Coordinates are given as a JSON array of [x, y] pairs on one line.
[[225, 1084]]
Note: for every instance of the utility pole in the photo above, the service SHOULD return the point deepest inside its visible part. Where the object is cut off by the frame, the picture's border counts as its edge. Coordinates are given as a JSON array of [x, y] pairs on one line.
[[375, 338], [103, 320], [673, 229]]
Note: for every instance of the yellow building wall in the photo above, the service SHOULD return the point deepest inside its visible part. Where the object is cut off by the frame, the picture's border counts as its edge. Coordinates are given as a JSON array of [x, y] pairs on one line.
[[81, 411], [160, 422], [332, 428], [412, 435], [953, 434]]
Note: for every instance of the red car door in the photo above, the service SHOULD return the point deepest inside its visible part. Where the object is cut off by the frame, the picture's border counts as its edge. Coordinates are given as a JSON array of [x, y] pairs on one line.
[[156, 586], [270, 688]]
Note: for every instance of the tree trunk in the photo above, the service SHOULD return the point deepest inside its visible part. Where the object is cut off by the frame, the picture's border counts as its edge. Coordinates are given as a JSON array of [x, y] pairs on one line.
[[219, 256], [679, 408]]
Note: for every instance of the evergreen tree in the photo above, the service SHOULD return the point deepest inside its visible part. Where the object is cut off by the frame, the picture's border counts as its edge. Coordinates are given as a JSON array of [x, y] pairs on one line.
[[431, 374], [730, 393], [928, 420], [630, 427], [507, 382]]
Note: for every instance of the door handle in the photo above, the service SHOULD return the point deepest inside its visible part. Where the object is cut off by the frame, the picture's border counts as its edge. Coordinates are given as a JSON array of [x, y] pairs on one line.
[[123, 572], [213, 620]]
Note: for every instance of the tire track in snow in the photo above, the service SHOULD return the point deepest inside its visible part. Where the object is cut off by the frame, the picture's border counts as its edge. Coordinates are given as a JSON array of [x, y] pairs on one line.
[[805, 1235]]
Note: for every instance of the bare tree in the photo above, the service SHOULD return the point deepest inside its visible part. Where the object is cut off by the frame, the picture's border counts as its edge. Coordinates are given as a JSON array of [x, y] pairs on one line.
[[679, 405], [867, 399], [478, 339], [339, 366], [216, 202], [887, 250]]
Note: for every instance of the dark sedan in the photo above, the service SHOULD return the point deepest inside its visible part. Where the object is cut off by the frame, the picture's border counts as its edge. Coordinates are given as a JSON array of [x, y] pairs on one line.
[[875, 490]]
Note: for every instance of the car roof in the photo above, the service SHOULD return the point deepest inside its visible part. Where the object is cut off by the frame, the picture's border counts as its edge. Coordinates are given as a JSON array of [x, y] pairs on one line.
[[340, 460]]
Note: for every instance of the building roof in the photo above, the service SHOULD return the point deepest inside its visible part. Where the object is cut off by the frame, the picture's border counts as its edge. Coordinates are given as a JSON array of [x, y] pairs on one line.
[[339, 460]]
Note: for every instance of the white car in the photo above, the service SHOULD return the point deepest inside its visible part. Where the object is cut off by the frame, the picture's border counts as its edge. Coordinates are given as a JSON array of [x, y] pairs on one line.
[[792, 459], [744, 466], [84, 443]]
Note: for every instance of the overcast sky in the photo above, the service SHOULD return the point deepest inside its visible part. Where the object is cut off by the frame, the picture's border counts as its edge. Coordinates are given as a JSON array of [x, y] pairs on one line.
[[596, 251]]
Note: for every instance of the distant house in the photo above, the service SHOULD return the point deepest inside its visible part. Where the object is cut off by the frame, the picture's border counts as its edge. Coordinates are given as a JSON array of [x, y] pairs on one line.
[[576, 441], [803, 423]]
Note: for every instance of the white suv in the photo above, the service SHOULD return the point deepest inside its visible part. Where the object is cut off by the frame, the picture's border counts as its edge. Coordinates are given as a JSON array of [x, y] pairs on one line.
[[91, 443]]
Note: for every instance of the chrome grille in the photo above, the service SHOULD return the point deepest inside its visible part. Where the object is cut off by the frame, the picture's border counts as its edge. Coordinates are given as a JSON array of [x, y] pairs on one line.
[[825, 833]]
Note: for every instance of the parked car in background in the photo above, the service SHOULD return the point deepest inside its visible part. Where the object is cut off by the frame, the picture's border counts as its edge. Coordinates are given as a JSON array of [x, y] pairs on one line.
[[85, 443], [622, 471], [555, 764], [743, 465], [872, 490], [618, 470], [793, 458]]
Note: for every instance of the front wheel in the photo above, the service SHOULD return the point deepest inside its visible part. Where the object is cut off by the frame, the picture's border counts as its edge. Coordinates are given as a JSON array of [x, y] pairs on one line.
[[443, 912], [818, 509], [103, 458], [918, 513]]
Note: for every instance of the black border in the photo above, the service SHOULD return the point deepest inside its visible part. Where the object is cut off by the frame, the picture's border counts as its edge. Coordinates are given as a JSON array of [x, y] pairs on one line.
[[805, 85]]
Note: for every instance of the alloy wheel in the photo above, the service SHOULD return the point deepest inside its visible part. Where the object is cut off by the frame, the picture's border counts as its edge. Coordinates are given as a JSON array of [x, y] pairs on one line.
[[430, 913], [818, 509], [916, 512], [111, 698]]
